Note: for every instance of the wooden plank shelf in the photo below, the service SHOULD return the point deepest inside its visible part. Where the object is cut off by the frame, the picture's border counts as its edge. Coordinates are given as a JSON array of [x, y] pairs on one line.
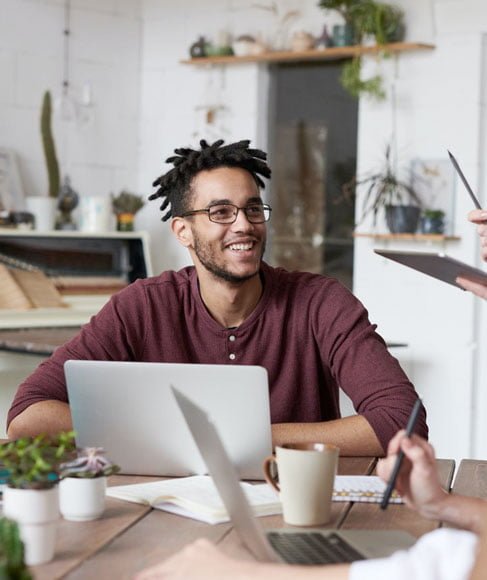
[[333, 53], [408, 237]]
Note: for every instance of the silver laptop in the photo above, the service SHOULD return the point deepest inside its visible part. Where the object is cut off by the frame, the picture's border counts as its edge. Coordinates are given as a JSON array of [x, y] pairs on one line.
[[128, 409], [313, 546]]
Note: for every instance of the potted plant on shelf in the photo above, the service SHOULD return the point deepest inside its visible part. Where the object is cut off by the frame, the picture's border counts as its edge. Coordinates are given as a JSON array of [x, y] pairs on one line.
[[12, 560], [385, 190], [43, 207], [432, 221], [365, 19], [31, 496], [83, 484], [125, 205]]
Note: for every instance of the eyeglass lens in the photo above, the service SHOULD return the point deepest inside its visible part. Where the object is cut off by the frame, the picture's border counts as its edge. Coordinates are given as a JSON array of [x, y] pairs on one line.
[[227, 213]]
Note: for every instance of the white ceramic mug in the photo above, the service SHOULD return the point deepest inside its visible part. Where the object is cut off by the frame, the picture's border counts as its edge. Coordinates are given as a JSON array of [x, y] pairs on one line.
[[306, 477]]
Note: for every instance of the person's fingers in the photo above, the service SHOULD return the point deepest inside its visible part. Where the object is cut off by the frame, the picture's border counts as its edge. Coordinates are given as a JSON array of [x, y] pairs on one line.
[[395, 443], [478, 289], [425, 445], [477, 215], [418, 454]]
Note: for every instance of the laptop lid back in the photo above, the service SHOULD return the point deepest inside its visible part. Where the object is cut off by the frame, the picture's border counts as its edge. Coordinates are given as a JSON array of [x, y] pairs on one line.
[[128, 408], [225, 478]]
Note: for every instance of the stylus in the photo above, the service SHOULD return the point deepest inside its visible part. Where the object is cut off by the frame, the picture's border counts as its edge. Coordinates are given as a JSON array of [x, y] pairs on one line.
[[400, 456], [465, 182]]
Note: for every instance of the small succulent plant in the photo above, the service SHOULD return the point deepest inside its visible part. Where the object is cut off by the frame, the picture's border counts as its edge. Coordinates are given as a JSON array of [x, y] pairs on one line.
[[33, 462], [90, 462], [126, 202]]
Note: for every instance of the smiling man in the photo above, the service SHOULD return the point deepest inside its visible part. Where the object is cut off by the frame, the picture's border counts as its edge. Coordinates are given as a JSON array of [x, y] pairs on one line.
[[310, 333]]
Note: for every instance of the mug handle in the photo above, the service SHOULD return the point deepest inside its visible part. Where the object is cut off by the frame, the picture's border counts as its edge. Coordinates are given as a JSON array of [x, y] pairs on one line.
[[271, 480]]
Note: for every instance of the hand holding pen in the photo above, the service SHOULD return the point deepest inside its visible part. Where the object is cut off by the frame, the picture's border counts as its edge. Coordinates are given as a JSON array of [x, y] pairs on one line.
[[400, 456]]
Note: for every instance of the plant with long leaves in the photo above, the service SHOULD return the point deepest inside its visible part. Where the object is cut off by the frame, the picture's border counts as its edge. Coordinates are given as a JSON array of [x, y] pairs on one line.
[[383, 188]]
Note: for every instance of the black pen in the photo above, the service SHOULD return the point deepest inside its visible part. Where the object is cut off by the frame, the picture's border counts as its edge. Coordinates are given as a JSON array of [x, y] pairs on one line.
[[465, 182], [400, 456]]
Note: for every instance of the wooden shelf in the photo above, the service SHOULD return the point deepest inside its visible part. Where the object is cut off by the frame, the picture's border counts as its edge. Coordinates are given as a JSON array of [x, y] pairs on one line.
[[405, 237], [334, 53]]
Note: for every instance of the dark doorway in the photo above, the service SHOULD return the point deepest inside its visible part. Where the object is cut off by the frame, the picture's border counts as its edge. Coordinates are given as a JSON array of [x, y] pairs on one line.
[[312, 145]]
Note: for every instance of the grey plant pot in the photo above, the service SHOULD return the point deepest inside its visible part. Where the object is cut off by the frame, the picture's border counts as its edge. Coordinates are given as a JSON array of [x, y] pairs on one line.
[[402, 219]]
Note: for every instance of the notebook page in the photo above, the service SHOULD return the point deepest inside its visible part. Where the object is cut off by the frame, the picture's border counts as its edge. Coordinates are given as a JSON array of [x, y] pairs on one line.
[[361, 488], [195, 497]]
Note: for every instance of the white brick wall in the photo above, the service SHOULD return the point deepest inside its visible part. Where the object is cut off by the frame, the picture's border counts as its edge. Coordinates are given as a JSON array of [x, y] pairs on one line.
[[100, 155]]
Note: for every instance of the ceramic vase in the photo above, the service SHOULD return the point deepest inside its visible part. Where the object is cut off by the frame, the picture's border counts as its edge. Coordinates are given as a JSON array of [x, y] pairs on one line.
[[82, 499], [36, 511], [44, 209], [94, 213]]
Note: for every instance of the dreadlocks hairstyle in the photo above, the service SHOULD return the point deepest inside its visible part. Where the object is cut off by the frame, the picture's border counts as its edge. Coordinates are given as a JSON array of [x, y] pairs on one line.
[[174, 185]]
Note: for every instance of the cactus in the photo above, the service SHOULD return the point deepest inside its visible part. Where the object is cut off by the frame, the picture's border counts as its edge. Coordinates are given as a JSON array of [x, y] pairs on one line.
[[12, 564], [49, 146]]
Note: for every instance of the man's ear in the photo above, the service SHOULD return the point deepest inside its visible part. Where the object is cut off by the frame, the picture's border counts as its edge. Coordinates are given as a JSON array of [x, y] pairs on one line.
[[182, 231]]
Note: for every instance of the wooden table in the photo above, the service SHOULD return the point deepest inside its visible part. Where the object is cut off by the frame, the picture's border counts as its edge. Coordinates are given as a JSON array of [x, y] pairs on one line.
[[130, 537]]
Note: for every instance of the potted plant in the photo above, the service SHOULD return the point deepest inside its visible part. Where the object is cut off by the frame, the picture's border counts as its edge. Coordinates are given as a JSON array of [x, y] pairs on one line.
[[83, 484], [12, 560], [386, 190], [31, 496], [125, 205], [432, 221], [365, 19], [43, 207]]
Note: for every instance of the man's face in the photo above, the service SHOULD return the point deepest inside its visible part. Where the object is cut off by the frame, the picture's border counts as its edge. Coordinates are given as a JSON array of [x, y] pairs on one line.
[[231, 252]]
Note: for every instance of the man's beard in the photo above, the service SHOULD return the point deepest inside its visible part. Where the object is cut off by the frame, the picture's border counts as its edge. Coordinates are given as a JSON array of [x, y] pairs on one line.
[[206, 256]]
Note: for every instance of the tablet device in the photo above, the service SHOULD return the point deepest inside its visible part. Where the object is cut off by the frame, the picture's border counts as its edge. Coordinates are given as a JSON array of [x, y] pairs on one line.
[[438, 266], [128, 409]]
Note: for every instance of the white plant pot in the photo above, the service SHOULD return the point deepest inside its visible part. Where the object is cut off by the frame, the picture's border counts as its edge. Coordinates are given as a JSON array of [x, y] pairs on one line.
[[44, 209], [95, 213], [36, 511], [82, 499]]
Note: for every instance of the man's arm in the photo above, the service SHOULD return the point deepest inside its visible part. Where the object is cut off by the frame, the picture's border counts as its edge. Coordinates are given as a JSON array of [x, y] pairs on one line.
[[353, 435], [48, 417]]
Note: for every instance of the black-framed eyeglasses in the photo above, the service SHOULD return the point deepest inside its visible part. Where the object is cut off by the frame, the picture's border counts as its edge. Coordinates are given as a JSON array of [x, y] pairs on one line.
[[226, 213]]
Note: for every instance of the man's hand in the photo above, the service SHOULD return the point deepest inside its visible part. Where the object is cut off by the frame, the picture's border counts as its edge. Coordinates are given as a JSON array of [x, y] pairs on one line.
[[418, 482]]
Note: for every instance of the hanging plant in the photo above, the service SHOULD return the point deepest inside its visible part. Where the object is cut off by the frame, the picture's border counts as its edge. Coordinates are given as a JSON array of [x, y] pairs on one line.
[[382, 21], [352, 82]]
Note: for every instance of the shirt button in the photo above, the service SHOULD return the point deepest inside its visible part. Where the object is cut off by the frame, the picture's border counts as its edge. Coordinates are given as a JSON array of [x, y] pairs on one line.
[[232, 338], [231, 356]]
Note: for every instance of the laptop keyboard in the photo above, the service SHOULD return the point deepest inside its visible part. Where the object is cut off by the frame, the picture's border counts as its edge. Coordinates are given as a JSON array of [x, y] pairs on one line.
[[313, 548]]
